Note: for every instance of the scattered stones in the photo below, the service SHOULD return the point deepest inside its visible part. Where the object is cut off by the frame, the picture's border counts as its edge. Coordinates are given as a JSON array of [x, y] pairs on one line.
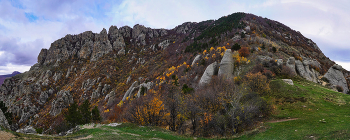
[[288, 81]]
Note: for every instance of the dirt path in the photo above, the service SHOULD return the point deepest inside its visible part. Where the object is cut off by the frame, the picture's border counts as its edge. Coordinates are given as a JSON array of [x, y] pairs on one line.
[[283, 120], [6, 135]]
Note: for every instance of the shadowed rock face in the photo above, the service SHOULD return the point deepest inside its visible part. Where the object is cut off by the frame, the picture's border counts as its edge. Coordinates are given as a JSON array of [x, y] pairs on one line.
[[291, 64], [211, 70], [226, 65], [336, 77], [303, 68], [3, 120]]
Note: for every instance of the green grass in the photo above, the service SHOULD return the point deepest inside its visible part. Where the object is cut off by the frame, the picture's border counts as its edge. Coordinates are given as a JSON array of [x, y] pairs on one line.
[[310, 103]]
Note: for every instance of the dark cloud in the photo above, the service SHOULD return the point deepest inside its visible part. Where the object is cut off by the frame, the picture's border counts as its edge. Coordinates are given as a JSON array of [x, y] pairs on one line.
[[18, 53]]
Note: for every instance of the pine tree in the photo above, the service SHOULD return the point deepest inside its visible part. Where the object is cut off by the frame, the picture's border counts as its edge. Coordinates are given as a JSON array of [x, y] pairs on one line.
[[96, 114], [73, 116], [84, 110]]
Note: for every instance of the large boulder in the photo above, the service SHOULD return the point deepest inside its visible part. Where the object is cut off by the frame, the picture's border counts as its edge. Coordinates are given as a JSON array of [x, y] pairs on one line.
[[211, 70], [303, 68], [336, 77], [42, 56], [291, 64], [226, 65], [3, 120]]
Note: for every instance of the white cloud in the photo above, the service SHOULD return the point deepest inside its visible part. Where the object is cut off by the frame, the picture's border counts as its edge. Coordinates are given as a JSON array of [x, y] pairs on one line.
[[9, 68], [345, 65]]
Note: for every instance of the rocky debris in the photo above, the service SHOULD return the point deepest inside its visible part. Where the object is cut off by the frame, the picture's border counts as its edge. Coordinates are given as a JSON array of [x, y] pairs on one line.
[[143, 88], [262, 58], [111, 98], [196, 59], [288, 81], [102, 45], [336, 77], [131, 90], [63, 100], [226, 65], [70, 131], [27, 112], [184, 28], [236, 37], [3, 120], [87, 84], [303, 68], [279, 62], [100, 91], [247, 28], [69, 71], [163, 32], [42, 56], [43, 97], [27, 130], [57, 76], [291, 64], [164, 44], [211, 70], [128, 80], [125, 31]]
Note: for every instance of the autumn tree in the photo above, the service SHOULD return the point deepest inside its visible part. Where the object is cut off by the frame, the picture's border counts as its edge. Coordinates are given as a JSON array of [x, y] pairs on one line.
[[244, 52], [257, 83]]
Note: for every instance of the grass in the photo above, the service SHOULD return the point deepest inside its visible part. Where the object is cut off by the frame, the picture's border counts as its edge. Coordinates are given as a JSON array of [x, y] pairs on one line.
[[321, 114]]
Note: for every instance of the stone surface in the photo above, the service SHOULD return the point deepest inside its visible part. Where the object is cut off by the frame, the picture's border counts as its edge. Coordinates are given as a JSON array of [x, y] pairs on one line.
[[27, 130], [42, 56], [102, 45], [145, 86], [164, 44], [63, 100], [336, 77], [291, 64], [279, 62], [226, 65], [288, 81], [211, 70], [131, 89], [196, 59], [303, 69]]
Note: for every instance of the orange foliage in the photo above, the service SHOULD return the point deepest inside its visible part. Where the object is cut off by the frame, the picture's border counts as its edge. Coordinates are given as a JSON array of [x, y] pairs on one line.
[[244, 51]]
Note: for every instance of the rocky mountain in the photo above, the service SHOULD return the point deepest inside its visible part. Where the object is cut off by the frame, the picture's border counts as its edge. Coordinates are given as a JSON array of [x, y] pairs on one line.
[[3, 77], [108, 68]]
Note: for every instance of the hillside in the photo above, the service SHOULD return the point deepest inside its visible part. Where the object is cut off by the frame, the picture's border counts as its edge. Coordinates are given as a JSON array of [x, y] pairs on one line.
[[195, 77]]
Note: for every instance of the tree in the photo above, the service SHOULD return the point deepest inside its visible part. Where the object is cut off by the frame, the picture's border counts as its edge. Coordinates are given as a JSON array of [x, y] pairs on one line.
[[8, 115], [84, 110], [73, 116], [96, 114], [244, 52], [242, 35], [236, 47]]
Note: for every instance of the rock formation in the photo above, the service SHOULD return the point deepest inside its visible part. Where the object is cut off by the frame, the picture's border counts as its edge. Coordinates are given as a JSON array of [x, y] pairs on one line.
[[336, 77], [226, 65], [3, 120], [211, 70]]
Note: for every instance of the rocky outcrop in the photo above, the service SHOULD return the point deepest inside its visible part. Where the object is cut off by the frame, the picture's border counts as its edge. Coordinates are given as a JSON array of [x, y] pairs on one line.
[[42, 56], [111, 97], [164, 44], [184, 28], [143, 88], [226, 65], [291, 64], [27, 130], [3, 120], [303, 69], [63, 100], [336, 77], [196, 59], [102, 45], [131, 90], [211, 70]]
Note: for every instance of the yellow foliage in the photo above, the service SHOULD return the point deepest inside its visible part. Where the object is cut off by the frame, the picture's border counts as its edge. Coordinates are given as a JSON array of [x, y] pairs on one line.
[[204, 52], [107, 110], [211, 49], [147, 113], [259, 48]]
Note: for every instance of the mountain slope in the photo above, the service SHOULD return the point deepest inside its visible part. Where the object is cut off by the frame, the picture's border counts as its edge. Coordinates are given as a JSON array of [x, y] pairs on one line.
[[3, 77], [126, 63]]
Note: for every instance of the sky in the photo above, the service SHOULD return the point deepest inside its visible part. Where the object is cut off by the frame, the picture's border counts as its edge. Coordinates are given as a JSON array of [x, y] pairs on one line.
[[27, 26]]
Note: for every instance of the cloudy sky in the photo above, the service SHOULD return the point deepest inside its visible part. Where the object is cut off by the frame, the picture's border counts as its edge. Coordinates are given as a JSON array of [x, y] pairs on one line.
[[26, 26]]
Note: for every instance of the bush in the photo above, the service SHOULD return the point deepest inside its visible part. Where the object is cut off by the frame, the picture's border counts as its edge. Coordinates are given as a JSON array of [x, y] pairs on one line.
[[257, 68], [39, 130], [287, 72], [186, 89], [268, 74], [236, 47], [339, 88], [276, 69], [244, 52], [257, 83], [242, 35], [325, 79], [274, 50]]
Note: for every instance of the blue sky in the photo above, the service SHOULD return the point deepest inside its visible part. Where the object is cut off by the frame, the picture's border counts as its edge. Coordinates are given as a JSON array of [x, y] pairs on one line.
[[26, 26]]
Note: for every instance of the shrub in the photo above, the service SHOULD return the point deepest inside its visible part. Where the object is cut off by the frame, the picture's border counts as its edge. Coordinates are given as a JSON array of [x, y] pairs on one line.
[[274, 50], [268, 74], [73, 117], [257, 83], [186, 89], [39, 130], [257, 68], [242, 35], [325, 79], [244, 52], [286, 72], [339, 88], [276, 69], [236, 47], [84, 110]]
